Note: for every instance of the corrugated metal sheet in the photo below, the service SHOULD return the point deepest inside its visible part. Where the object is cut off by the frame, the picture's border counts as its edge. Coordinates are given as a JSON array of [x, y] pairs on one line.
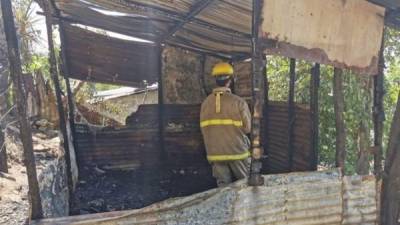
[[138, 143], [360, 200], [224, 27], [312, 198], [276, 123], [99, 58], [277, 138]]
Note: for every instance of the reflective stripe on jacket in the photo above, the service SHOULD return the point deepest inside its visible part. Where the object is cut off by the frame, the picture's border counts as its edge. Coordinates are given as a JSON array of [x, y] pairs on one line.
[[225, 120]]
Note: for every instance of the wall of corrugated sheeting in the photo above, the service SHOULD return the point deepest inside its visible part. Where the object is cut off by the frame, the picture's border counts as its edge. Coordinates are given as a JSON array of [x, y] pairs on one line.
[[100, 58], [307, 198], [137, 144]]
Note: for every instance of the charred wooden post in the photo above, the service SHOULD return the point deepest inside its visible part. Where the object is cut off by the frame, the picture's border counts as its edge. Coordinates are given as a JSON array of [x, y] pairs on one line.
[[71, 105], [258, 63], [57, 88], [65, 72], [163, 155], [25, 129], [202, 74], [314, 107], [291, 113], [378, 114], [4, 109], [338, 99], [390, 200], [265, 123], [3, 154]]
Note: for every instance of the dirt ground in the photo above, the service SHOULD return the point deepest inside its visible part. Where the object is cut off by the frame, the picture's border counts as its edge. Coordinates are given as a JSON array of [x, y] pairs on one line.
[[14, 204]]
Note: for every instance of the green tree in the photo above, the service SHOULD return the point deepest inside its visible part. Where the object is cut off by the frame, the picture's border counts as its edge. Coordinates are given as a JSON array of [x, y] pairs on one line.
[[26, 21], [357, 93]]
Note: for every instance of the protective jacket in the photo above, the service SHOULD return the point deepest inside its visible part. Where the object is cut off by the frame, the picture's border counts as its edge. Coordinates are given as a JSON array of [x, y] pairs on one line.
[[225, 120]]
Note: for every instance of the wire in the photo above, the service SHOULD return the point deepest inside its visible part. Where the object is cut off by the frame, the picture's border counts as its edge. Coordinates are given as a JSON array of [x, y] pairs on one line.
[[4, 116], [3, 147]]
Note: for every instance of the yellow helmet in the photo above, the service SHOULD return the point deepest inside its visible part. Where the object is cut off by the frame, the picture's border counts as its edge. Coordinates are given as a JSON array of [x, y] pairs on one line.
[[222, 69]]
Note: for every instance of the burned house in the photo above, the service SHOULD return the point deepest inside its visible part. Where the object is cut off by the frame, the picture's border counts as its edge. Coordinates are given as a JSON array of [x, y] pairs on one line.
[[176, 44]]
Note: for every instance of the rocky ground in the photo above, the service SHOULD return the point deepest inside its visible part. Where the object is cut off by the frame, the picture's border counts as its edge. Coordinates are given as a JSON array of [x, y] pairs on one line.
[[14, 205]]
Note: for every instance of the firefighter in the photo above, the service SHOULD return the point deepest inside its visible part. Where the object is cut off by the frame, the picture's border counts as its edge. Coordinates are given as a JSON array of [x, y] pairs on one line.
[[225, 122]]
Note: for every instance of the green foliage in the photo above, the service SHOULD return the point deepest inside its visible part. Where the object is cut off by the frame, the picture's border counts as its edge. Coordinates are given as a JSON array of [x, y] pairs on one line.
[[37, 63], [358, 96], [26, 20], [392, 76]]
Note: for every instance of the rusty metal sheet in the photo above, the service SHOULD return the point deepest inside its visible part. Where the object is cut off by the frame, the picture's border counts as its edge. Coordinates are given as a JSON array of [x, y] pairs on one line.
[[295, 198], [181, 122], [342, 33], [100, 58]]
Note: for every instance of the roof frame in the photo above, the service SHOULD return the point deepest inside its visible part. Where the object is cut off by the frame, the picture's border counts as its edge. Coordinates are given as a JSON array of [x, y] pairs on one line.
[[393, 18], [180, 18], [58, 19], [196, 9]]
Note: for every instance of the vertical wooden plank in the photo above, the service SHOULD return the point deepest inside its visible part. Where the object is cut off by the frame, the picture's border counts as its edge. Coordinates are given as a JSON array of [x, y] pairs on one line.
[[57, 88], [291, 113], [4, 108], [65, 72], [3, 154], [378, 114], [338, 99], [202, 74], [265, 125], [314, 107], [25, 128], [163, 155], [258, 97]]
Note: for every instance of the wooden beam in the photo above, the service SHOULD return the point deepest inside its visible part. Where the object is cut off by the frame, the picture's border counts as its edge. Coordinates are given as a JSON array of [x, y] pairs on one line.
[[338, 99], [65, 72], [314, 107], [265, 126], [291, 113], [202, 78], [195, 10], [57, 89], [258, 64], [4, 109], [25, 128], [390, 201], [3, 153], [161, 133], [378, 113]]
